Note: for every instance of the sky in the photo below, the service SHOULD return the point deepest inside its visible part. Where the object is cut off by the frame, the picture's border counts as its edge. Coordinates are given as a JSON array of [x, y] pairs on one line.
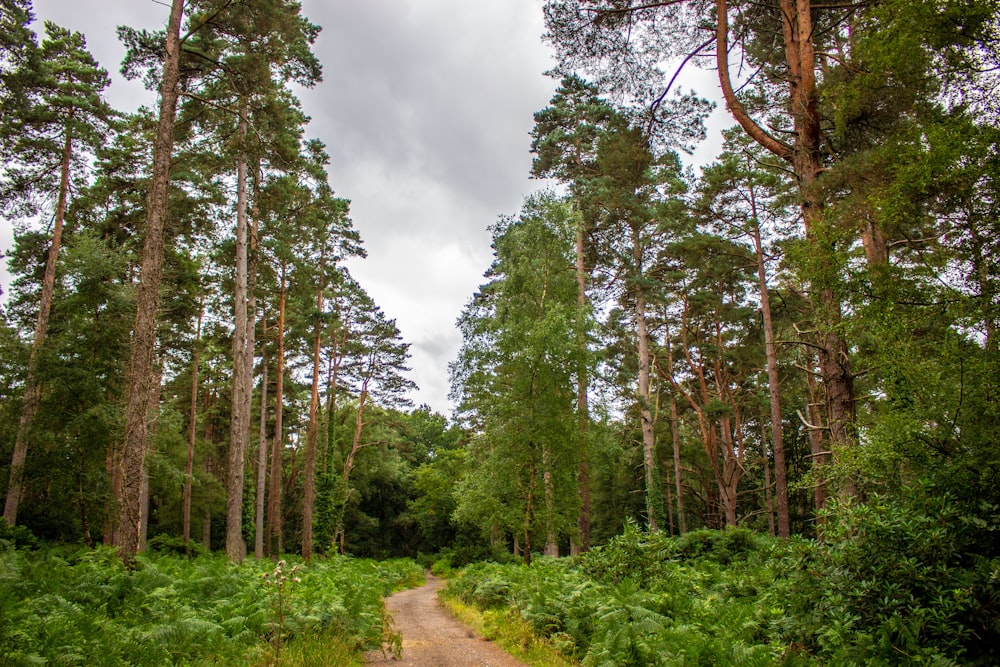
[[425, 108]]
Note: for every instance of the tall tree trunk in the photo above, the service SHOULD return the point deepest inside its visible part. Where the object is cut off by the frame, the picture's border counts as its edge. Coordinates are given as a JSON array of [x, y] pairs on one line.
[[258, 544], [773, 387], [551, 541], [582, 541], [643, 392], [32, 385], [139, 404], [275, 542], [144, 497], [309, 491], [239, 434], [815, 427], [192, 426], [804, 157], [768, 496], [675, 436]]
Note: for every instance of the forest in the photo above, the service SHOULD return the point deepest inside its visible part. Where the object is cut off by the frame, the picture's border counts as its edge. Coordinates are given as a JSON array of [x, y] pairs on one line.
[[744, 413]]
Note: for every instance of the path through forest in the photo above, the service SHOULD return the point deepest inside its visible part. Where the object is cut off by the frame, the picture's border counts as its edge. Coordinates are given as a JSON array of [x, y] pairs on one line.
[[432, 638]]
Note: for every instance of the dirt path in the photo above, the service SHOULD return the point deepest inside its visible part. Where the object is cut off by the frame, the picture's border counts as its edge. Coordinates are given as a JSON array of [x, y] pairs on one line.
[[432, 638]]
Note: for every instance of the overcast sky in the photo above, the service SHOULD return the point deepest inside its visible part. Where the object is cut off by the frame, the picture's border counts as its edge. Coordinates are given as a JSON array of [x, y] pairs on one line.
[[426, 108]]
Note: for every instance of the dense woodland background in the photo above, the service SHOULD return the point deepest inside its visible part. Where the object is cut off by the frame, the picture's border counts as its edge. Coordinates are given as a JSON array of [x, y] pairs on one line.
[[799, 339]]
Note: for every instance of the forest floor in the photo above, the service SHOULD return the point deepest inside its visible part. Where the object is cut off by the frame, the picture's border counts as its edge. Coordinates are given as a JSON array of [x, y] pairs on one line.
[[432, 638]]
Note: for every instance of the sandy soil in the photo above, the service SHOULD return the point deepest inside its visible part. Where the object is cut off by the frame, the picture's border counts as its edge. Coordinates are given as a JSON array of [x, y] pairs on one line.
[[432, 638]]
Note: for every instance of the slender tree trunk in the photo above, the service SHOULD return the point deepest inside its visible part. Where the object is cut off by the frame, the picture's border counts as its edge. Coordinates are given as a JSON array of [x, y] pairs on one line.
[[768, 496], [309, 491], [206, 521], [358, 426], [675, 436], [258, 544], [32, 386], [275, 542], [815, 428], [239, 434], [804, 157], [529, 512], [551, 541], [112, 470], [192, 426], [773, 387], [582, 541], [144, 506], [139, 403], [645, 403]]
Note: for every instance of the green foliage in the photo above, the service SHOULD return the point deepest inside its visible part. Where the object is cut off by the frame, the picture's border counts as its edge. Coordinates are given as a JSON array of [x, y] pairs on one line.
[[63, 606], [637, 601], [897, 577]]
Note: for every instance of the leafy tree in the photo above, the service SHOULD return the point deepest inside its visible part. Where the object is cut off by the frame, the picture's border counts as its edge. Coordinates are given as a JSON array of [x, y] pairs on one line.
[[515, 378], [63, 116], [564, 141]]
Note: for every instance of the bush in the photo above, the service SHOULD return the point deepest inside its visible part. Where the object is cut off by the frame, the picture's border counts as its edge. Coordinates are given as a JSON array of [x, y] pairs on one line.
[[894, 578]]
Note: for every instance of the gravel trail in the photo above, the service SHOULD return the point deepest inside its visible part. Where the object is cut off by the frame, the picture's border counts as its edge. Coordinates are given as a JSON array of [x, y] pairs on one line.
[[432, 638]]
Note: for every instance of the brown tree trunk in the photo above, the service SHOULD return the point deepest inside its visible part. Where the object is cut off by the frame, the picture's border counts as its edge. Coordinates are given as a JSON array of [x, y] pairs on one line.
[[773, 387], [582, 541], [140, 375], [815, 427], [675, 435], [144, 506], [239, 433], [309, 491], [275, 541], [258, 544], [804, 157], [32, 386], [551, 540], [768, 496], [643, 393], [192, 425]]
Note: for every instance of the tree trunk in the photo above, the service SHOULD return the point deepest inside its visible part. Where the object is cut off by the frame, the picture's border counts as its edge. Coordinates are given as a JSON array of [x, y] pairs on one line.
[[645, 409], [773, 387], [815, 427], [675, 436], [139, 403], [275, 541], [239, 434], [258, 543], [192, 425], [206, 522], [804, 157], [309, 491], [768, 496], [582, 541], [32, 386], [551, 541]]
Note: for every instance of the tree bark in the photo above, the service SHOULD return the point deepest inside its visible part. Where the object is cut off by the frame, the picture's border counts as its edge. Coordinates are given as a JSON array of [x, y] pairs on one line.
[[675, 435], [804, 157], [258, 544], [643, 393], [32, 386], [239, 432], [192, 425], [275, 541], [582, 541], [309, 491], [143, 349], [773, 387]]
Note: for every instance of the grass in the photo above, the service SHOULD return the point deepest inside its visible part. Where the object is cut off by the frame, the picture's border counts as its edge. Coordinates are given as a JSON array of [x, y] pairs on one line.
[[510, 631]]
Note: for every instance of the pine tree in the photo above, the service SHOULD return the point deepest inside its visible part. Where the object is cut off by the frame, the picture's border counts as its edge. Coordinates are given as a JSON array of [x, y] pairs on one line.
[[62, 115]]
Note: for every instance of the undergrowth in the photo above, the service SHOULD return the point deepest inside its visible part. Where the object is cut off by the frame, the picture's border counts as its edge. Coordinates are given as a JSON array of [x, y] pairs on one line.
[[886, 591], [64, 606]]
